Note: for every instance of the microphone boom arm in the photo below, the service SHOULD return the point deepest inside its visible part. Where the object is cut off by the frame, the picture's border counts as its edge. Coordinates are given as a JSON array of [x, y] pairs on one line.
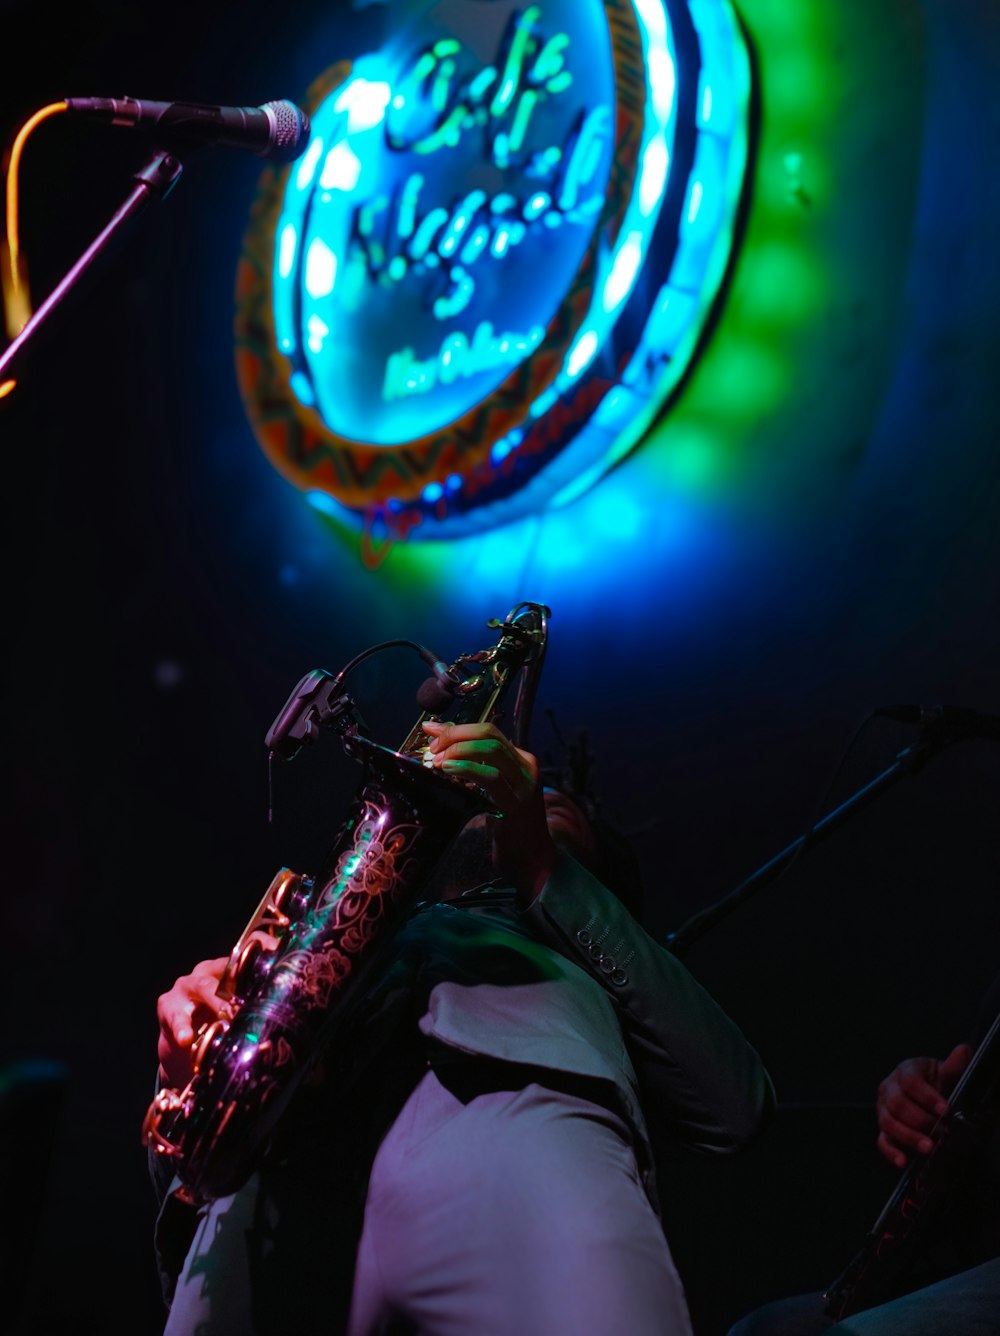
[[154, 179], [930, 744]]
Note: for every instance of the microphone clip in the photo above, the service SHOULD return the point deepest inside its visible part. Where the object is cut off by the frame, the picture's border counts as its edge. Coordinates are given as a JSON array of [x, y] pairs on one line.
[[317, 702]]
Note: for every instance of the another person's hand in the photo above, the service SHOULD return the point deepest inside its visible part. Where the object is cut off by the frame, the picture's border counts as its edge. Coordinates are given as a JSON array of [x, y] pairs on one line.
[[192, 1002], [912, 1098], [480, 754]]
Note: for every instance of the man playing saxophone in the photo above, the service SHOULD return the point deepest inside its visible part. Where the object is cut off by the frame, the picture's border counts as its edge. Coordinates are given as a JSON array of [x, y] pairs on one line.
[[472, 1155]]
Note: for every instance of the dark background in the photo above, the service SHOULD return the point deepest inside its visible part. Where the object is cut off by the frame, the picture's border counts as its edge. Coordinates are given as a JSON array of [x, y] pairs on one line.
[[166, 589]]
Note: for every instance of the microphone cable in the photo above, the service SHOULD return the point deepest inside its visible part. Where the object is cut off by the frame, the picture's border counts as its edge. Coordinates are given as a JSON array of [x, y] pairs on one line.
[[14, 272]]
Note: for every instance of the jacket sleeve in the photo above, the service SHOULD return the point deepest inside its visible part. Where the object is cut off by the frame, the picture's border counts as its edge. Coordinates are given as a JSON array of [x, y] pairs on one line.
[[699, 1077]]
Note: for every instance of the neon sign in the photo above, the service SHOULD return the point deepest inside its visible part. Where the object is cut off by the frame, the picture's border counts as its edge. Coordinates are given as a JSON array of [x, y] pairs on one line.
[[484, 278]]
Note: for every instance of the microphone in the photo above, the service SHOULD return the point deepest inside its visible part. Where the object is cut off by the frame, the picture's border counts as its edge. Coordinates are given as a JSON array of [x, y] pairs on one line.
[[277, 130], [433, 697], [438, 692], [955, 721]]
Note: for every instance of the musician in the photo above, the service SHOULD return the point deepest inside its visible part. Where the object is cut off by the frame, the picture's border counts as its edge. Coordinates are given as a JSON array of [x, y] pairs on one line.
[[953, 1281], [473, 1154]]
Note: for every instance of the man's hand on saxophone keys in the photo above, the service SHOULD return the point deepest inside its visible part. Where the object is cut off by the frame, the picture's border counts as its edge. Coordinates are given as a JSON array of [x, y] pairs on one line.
[[191, 1003], [534, 822]]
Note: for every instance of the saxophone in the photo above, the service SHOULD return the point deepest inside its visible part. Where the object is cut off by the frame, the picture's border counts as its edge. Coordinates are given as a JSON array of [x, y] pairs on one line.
[[311, 943]]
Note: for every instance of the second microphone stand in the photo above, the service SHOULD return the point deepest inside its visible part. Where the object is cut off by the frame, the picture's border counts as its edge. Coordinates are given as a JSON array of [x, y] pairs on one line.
[[932, 742]]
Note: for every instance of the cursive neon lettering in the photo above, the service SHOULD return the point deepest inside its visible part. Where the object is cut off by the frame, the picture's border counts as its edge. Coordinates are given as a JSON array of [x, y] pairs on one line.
[[532, 68], [393, 235], [457, 357]]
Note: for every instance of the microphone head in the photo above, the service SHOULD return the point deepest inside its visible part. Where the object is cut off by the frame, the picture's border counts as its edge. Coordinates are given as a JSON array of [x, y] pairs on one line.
[[433, 696], [289, 131]]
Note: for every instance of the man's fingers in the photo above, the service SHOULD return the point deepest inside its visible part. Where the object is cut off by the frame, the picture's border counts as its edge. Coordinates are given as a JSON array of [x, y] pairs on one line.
[[904, 1134], [918, 1104], [211, 968], [491, 762], [496, 751], [191, 1002], [472, 747], [953, 1066], [891, 1152], [181, 1011], [482, 744], [479, 737], [176, 1028], [918, 1081], [174, 1011], [207, 1004], [914, 1091], [444, 734], [502, 790], [486, 760]]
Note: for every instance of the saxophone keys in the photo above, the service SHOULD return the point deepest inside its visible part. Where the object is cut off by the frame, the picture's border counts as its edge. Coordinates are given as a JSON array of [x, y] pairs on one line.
[[203, 1041], [240, 970], [165, 1110], [271, 917], [281, 891]]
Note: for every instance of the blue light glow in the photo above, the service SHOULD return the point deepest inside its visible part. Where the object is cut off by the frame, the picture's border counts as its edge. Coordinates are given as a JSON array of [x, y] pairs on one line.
[[583, 352], [677, 315], [302, 388], [326, 505], [429, 207], [365, 101], [318, 330], [653, 181], [306, 170], [321, 269], [622, 269], [287, 241], [536, 206], [426, 241], [341, 170]]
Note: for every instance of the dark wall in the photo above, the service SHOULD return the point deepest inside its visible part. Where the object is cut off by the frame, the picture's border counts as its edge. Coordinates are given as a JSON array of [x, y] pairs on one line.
[[166, 590]]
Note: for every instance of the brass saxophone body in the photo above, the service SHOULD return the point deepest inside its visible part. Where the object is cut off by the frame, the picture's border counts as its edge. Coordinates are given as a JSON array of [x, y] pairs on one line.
[[285, 1000]]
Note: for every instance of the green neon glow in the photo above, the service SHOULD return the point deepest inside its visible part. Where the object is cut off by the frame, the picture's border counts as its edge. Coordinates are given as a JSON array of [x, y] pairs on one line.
[[406, 221], [715, 266], [666, 511], [791, 285], [435, 220], [511, 78], [550, 62], [525, 109], [516, 84]]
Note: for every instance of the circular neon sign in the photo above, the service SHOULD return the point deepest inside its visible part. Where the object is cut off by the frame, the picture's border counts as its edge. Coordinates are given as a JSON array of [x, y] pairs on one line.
[[476, 288]]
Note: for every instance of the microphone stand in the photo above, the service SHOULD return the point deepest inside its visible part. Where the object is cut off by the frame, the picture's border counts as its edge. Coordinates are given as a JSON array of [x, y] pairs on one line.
[[154, 179], [931, 743]]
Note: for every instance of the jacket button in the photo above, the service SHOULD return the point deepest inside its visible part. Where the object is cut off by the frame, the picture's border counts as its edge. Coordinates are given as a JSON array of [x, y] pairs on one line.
[[607, 964], [584, 937], [619, 977]]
